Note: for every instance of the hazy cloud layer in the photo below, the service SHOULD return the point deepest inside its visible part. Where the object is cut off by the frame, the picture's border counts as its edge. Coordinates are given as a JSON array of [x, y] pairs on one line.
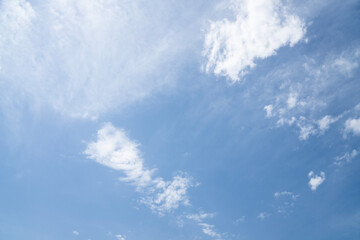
[[82, 58]]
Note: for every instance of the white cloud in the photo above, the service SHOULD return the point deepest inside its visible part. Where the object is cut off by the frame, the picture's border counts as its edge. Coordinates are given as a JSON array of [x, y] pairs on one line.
[[346, 65], [120, 237], [353, 125], [325, 122], [282, 121], [307, 127], [240, 219], [315, 180], [346, 158], [306, 131], [169, 195], [115, 150], [299, 102], [76, 233], [199, 217], [18, 14], [261, 27], [269, 109], [285, 194], [208, 229], [82, 58], [292, 100], [285, 201], [263, 215]]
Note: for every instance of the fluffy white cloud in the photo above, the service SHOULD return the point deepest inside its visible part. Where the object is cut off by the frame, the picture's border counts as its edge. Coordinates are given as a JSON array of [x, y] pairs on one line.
[[115, 150], [169, 195], [353, 125], [81, 57], [315, 180], [260, 28], [76, 233]]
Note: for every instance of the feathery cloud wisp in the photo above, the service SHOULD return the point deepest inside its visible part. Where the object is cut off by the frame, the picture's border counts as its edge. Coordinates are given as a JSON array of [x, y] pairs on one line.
[[206, 228]]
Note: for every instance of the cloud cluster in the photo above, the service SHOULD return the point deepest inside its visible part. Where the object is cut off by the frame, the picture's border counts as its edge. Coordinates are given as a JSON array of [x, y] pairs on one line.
[[315, 180], [169, 194], [307, 127], [285, 201], [260, 28], [115, 150], [81, 58], [298, 103], [285, 194]]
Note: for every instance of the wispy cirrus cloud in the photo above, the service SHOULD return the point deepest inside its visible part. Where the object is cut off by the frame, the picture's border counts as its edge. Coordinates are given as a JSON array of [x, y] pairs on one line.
[[82, 58], [346, 157], [115, 150], [285, 202], [260, 28], [200, 219]]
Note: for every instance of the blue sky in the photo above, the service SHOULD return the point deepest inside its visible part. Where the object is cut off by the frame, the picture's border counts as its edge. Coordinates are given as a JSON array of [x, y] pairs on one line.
[[129, 120]]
